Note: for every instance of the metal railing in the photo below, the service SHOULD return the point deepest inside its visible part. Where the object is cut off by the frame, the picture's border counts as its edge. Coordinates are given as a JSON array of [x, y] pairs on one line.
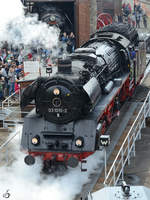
[[8, 110], [18, 115], [8, 101], [5, 154], [8, 141], [128, 146]]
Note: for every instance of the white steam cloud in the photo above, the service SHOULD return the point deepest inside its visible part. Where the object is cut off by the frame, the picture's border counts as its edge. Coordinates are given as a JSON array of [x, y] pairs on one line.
[[17, 29], [26, 182]]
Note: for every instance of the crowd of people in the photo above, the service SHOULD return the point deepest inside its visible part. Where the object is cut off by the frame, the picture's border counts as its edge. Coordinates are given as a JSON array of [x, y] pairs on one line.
[[11, 70], [136, 16], [12, 59], [68, 41]]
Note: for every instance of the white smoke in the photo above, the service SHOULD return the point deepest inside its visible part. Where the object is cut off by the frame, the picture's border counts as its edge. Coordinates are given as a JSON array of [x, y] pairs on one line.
[[26, 182], [17, 29]]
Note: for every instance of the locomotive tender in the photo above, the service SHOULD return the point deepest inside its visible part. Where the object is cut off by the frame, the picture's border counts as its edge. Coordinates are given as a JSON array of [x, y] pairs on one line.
[[74, 106]]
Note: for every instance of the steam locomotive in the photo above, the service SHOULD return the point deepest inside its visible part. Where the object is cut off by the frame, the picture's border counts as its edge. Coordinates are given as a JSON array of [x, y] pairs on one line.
[[74, 106], [53, 13]]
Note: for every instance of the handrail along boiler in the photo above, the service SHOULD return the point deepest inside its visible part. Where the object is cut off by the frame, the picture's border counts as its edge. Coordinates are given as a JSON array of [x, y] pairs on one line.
[[75, 105]]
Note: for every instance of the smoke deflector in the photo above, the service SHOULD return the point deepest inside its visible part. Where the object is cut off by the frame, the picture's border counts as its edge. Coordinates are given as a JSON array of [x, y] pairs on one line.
[[93, 90]]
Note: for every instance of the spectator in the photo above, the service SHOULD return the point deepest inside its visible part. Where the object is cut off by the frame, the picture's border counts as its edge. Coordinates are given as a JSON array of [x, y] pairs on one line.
[[132, 53], [4, 54], [1, 64], [71, 43], [1, 88], [145, 20], [16, 61], [4, 72], [47, 52], [9, 54], [1, 57], [29, 56], [115, 18], [120, 18], [127, 9], [133, 19], [11, 81], [135, 7], [138, 8], [129, 19], [138, 18], [64, 37], [18, 71], [64, 40], [124, 5], [20, 58], [1, 85], [49, 61]]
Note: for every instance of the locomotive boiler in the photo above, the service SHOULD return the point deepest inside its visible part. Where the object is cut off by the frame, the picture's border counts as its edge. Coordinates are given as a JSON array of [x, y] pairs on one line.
[[74, 106]]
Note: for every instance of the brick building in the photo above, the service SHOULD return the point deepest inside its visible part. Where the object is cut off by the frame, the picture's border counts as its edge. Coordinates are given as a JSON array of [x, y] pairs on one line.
[[96, 7]]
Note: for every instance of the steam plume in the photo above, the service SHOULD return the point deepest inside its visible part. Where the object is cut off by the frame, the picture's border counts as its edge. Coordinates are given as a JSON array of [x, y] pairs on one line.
[[27, 182], [17, 29]]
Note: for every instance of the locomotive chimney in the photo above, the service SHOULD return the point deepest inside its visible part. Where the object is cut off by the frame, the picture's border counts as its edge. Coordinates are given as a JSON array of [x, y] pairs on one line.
[[64, 65]]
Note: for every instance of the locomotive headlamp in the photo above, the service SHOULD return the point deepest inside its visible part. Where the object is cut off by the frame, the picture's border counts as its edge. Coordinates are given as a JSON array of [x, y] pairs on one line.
[[56, 91], [35, 140], [52, 18], [79, 142]]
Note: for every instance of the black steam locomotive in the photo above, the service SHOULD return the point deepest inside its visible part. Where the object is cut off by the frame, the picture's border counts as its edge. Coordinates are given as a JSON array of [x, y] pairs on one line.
[[54, 13], [74, 106]]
